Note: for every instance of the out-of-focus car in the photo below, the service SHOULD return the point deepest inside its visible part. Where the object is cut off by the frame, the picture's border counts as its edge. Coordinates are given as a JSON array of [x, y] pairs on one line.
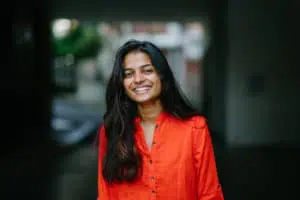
[[72, 123]]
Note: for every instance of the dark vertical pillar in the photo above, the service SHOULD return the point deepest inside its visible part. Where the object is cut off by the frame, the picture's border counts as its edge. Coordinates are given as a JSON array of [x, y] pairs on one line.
[[43, 70], [25, 92], [215, 66], [215, 89], [27, 84]]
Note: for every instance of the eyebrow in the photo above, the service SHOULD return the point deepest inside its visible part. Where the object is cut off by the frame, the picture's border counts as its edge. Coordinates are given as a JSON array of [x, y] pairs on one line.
[[142, 66]]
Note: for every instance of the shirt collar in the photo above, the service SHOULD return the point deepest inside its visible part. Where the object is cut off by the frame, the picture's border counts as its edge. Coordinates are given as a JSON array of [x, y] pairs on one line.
[[160, 118]]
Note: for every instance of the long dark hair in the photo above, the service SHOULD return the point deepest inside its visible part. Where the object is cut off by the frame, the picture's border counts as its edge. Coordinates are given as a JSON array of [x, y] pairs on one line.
[[122, 160]]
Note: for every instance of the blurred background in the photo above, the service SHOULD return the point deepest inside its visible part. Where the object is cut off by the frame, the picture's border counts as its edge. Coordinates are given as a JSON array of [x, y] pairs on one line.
[[235, 60]]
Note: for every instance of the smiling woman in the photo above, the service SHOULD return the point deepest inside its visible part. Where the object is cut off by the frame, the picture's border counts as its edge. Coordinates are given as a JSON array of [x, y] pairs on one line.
[[154, 144], [141, 80]]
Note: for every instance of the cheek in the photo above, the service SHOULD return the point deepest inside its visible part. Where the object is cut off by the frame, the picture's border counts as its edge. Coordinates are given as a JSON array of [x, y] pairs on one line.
[[159, 87], [126, 84], [158, 84]]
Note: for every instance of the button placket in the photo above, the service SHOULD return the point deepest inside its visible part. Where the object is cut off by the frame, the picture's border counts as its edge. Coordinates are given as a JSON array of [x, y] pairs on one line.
[[153, 144], [153, 194], [152, 178], [155, 134]]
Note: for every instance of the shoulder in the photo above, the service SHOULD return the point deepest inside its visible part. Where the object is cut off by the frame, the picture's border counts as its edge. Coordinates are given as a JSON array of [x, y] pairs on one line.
[[101, 131], [102, 136], [192, 125], [196, 122], [199, 128], [200, 133], [199, 121]]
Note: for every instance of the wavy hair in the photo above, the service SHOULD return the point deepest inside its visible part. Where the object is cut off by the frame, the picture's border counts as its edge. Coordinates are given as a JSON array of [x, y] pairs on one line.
[[122, 161]]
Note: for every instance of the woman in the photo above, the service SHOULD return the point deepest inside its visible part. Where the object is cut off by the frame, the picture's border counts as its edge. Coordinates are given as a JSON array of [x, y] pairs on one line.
[[153, 144]]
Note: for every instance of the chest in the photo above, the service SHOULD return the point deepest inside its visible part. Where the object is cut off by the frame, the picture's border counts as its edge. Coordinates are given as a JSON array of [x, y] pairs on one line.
[[167, 143], [148, 131]]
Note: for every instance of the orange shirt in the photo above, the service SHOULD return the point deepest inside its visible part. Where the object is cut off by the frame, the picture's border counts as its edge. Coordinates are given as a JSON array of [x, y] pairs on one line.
[[180, 165]]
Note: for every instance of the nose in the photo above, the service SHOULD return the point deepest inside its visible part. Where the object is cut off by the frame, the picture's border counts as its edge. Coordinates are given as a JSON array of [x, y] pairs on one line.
[[138, 78]]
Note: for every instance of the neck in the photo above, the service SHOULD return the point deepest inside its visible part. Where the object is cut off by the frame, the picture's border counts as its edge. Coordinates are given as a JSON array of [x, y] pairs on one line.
[[150, 111]]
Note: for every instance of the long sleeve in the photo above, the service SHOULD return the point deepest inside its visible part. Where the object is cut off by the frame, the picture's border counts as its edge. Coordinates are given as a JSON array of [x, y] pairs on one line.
[[102, 185], [208, 186]]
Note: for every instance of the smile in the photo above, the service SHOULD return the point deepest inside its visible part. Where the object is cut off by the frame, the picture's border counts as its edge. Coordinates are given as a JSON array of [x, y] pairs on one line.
[[142, 90]]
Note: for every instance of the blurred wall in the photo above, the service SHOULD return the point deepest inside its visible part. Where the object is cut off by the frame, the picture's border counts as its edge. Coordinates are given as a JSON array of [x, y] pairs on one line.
[[263, 83]]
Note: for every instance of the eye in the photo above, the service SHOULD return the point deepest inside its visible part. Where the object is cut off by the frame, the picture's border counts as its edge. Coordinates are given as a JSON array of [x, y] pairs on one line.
[[148, 70], [128, 74]]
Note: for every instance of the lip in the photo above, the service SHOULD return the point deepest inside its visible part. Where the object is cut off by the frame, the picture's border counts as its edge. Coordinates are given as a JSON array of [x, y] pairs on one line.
[[142, 89]]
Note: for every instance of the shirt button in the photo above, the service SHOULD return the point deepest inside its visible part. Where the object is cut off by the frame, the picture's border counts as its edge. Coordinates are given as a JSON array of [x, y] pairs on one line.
[[152, 178], [150, 161], [153, 191]]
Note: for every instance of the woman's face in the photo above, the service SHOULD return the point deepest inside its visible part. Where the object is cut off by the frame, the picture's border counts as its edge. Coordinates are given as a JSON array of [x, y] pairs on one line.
[[141, 80]]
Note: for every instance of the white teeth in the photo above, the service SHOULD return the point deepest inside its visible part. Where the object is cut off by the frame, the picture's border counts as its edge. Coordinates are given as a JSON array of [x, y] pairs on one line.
[[142, 89]]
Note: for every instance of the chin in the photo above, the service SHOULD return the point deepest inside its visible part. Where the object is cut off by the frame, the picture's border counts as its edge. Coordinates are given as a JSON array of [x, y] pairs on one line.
[[142, 100], [146, 100]]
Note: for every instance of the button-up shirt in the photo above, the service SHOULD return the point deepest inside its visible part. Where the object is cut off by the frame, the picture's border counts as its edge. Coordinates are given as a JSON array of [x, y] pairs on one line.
[[179, 166]]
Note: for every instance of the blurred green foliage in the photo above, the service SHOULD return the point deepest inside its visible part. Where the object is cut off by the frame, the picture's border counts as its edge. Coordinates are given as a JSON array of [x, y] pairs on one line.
[[82, 41]]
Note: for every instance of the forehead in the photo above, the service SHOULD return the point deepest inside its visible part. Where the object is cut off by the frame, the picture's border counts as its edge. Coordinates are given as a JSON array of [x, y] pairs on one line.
[[136, 59]]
